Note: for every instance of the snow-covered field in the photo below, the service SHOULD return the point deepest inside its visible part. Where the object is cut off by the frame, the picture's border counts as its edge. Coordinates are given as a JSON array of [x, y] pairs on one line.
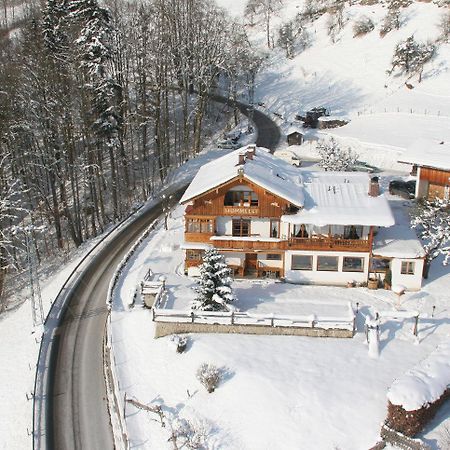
[[277, 392]]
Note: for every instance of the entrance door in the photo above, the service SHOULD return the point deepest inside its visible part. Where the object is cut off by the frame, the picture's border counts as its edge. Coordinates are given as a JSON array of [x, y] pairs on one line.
[[251, 263]]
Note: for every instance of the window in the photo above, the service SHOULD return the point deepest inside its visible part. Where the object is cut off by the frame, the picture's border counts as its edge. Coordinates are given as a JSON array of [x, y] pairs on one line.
[[240, 198], [380, 264], [273, 256], [408, 268], [329, 263], [199, 225], [241, 227], [194, 254], [353, 232], [274, 228], [301, 262], [300, 231], [353, 264]]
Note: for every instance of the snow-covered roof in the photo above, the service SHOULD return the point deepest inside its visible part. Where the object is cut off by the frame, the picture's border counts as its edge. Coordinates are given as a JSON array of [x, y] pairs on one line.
[[333, 118], [425, 383], [429, 154], [398, 241], [265, 170], [340, 198], [294, 129]]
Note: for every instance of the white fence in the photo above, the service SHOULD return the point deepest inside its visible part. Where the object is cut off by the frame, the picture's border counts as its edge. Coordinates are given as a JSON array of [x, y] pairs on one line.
[[345, 322]]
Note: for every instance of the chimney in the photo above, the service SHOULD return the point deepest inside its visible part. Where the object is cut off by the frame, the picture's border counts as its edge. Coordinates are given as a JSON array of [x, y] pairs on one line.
[[251, 151], [374, 187], [241, 159]]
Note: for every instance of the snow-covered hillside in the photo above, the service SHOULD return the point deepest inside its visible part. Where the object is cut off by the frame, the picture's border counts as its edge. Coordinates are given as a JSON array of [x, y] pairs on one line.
[[349, 77]]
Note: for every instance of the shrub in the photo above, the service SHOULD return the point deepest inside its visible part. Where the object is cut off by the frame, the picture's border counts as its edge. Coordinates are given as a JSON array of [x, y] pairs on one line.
[[179, 343], [209, 375], [362, 26]]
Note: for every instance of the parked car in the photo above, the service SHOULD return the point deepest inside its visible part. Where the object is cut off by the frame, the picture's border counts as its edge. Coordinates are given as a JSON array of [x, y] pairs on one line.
[[404, 189], [233, 136], [361, 166], [228, 143], [289, 157]]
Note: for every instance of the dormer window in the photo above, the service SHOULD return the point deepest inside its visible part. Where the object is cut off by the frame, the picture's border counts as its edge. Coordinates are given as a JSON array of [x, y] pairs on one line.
[[241, 198]]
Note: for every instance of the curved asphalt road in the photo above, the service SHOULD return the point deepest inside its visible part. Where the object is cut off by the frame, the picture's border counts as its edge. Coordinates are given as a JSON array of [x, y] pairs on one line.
[[70, 405]]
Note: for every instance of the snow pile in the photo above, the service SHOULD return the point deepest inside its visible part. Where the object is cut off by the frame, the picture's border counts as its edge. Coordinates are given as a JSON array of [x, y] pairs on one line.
[[425, 383]]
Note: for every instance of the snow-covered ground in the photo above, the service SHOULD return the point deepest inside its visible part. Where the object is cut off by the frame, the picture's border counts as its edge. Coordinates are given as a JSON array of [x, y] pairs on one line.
[[278, 392]]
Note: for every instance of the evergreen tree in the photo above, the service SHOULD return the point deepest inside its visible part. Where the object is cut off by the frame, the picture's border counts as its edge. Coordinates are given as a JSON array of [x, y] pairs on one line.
[[214, 291], [410, 56]]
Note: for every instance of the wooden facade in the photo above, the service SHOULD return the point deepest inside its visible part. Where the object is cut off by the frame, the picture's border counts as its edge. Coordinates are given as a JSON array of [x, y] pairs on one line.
[[212, 203], [438, 182]]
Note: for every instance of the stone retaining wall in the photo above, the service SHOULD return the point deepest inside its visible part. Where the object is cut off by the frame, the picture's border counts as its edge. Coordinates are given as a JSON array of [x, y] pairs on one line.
[[167, 328], [401, 441]]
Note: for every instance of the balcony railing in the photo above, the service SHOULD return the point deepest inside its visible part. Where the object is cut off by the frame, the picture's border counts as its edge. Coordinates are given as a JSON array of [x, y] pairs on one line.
[[247, 245], [294, 243], [328, 243]]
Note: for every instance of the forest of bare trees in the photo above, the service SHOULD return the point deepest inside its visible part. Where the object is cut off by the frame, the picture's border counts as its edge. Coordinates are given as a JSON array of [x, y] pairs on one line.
[[98, 103]]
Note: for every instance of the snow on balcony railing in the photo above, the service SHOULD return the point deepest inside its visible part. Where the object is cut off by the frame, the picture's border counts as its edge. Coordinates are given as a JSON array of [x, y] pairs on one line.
[[344, 322]]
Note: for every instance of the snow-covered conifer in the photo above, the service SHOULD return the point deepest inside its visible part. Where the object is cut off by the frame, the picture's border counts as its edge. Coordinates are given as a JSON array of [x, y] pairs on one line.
[[333, 157], [432, 221], [410, 56], [214, 291], [363, 25]]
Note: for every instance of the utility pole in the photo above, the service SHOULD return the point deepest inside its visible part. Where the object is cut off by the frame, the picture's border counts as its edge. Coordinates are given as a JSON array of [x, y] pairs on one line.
[[37, 311]]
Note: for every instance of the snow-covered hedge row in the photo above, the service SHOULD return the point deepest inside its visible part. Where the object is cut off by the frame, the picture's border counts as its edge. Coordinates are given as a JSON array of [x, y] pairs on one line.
[[416, 396]]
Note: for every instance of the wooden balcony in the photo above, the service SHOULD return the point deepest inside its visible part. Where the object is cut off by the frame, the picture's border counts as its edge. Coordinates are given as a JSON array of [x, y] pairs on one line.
[[247, 245], [198, 237], [328, 243], [314, 243]]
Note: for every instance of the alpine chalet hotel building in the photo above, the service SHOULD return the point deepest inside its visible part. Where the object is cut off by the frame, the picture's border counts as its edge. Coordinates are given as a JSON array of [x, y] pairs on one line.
[[271, 219]]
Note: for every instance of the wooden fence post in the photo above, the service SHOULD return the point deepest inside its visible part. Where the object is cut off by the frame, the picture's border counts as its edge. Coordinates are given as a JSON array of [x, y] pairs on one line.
[[192, 316], [232, 317], [416, 325]]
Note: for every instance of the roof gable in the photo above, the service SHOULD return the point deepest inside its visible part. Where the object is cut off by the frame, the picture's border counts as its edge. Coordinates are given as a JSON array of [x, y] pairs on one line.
[[265, 170]]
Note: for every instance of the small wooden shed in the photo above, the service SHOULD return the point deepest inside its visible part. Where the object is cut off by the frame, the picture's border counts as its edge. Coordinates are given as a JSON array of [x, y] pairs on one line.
[[294, 137]]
